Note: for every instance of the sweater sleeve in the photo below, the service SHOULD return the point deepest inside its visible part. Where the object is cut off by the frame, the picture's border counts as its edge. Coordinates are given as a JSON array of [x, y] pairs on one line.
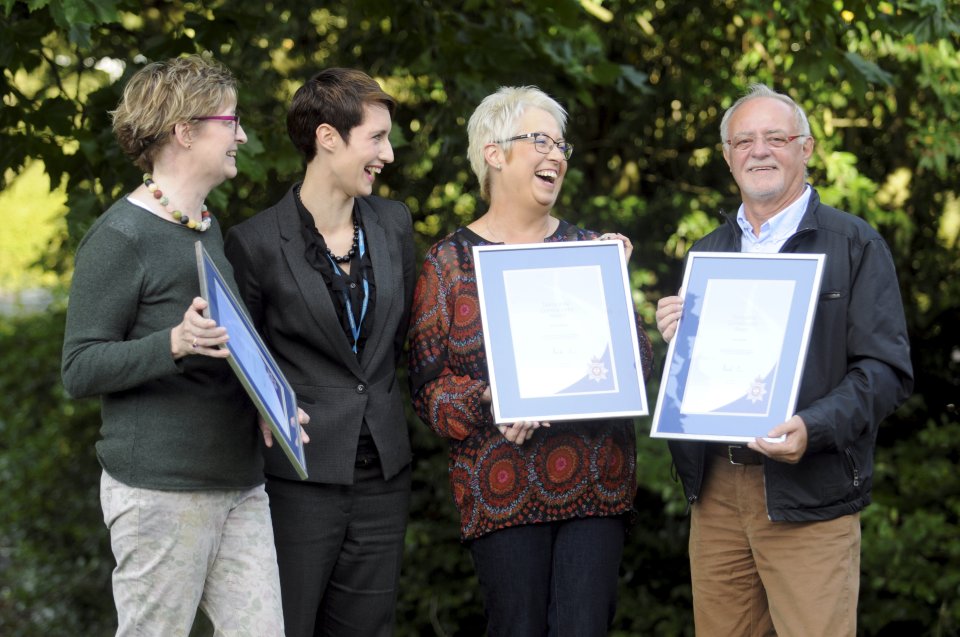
[[447, 401], [104, 302]]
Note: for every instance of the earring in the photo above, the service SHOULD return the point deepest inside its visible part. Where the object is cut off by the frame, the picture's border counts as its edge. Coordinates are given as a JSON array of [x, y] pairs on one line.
[[499, 166]]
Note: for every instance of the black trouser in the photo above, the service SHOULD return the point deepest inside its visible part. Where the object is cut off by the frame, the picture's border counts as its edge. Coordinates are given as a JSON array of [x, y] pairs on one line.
[[557, 578], [339, 549]]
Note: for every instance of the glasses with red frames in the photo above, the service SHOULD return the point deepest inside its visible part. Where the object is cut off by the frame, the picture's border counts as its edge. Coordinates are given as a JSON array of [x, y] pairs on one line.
[[224, 118]]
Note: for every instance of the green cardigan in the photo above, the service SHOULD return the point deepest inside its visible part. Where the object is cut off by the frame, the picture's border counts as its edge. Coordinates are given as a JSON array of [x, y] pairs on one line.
[[173, 425]]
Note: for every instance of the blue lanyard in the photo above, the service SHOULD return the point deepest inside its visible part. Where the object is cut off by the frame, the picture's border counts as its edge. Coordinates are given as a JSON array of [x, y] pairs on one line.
[[354, 325]]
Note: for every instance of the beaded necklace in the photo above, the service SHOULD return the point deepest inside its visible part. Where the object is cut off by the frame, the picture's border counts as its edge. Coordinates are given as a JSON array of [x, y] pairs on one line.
[[178, 216], [356, 236]]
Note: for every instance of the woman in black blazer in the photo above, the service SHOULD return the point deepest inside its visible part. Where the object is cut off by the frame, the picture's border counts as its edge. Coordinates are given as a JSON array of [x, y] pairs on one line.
[[327, 275]]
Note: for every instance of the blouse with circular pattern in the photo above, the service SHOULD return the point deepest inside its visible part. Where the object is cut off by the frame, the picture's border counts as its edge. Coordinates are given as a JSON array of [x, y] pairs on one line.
[[569, 470]]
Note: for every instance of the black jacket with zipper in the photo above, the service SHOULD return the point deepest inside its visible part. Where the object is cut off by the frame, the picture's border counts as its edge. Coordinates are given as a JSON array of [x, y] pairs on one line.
[[857, 370]]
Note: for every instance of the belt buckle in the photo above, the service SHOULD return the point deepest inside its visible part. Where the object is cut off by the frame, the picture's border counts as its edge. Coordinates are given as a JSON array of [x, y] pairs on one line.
[[730, 449]]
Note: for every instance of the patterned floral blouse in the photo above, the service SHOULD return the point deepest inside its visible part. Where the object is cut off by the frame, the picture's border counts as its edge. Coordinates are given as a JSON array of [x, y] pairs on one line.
[[569, 470]]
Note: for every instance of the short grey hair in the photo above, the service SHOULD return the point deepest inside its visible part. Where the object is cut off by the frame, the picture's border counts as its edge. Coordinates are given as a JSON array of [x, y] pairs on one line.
[[762, 90], [496, 118]]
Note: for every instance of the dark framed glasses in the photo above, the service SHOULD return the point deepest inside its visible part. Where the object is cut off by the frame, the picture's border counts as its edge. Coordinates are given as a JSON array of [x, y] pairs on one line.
[[543, 143]]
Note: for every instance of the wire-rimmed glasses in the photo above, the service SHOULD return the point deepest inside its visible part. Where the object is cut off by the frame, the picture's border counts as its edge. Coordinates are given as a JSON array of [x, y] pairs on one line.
[[773, 140]]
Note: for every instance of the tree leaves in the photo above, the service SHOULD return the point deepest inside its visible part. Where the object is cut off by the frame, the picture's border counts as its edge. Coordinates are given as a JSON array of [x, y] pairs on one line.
[[868, 72], [77, 17]]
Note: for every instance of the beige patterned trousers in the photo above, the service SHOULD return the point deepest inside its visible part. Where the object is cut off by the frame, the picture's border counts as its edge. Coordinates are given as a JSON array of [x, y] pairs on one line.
[[177, 551]]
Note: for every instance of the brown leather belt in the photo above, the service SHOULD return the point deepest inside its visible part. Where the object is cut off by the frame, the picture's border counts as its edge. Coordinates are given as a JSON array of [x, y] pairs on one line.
[[737, 454]]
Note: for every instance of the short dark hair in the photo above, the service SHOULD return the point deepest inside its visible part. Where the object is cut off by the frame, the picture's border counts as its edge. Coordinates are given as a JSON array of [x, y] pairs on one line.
[[336, 97]]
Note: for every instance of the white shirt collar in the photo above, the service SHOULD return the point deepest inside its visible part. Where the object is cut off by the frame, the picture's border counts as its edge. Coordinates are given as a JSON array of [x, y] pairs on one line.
[[777, 229]]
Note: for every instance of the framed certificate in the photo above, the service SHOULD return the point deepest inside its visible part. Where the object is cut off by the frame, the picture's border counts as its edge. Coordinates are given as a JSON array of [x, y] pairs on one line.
[[734, 365], [252, 362], [560, 331]]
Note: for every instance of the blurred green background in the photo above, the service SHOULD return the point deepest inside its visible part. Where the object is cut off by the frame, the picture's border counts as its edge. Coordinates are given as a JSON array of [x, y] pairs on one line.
[[646, 82]]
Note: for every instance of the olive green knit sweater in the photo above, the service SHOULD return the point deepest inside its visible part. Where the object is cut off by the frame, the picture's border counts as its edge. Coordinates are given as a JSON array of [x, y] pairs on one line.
[[177, 425]]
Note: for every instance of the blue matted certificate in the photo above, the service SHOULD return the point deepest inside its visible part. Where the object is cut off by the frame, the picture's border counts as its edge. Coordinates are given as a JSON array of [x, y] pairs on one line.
[[734, 365], [560, 331], [253, 363]]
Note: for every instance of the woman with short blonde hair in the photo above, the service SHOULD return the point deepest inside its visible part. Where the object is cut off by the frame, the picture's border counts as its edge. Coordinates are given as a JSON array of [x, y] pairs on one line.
[[182, 483], [543, 506]]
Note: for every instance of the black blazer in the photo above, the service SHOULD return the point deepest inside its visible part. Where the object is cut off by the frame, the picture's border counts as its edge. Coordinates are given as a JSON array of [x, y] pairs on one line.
[[292, 309]]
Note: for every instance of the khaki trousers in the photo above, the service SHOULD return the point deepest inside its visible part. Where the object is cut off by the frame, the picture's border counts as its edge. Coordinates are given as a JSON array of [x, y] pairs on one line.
[[180, 550], [753, 577]]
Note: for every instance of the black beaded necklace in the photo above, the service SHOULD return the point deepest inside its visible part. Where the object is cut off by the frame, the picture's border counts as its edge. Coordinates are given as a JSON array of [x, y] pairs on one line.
[[356, 236]]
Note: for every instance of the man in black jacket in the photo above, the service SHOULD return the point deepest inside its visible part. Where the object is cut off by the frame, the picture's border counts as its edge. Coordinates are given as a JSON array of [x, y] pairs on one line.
[[775, 526]]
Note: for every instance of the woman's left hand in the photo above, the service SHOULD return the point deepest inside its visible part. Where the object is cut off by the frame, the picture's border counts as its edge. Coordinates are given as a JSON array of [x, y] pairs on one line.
[[627, 246], [516, 432]]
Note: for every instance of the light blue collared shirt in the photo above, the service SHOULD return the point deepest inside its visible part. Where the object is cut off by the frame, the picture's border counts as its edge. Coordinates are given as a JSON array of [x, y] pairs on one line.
[[776, 230]]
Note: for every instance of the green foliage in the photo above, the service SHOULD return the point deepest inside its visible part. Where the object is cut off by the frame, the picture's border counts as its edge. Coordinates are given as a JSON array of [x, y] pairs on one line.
[[55, 559], [645, 83], [912, 534]]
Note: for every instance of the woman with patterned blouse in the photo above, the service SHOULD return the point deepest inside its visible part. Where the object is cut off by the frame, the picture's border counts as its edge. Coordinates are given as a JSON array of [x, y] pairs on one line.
[[543, 506]]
